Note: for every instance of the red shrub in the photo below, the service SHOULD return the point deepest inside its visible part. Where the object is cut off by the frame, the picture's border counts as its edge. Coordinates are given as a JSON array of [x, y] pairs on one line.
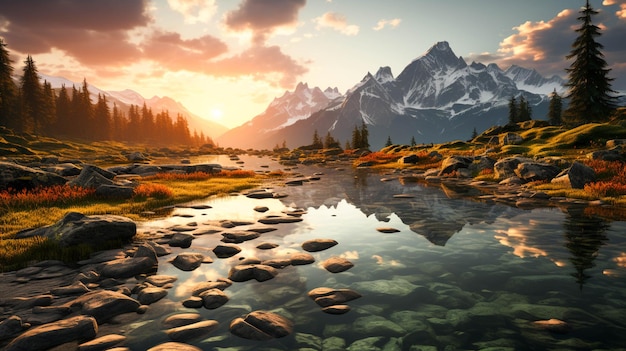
[[44, 196], [158, 191]]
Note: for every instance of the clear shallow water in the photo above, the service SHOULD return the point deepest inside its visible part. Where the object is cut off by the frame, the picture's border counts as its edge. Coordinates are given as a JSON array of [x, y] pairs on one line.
[[457, 275]]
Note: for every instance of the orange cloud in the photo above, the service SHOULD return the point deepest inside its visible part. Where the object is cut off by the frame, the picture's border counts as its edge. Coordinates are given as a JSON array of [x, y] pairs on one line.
[[194, 10], [393, 23], [175, 53], [337, 22], [263, 17]]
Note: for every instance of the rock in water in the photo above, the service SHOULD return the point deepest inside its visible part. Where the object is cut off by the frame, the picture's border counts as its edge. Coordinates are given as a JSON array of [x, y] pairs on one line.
[[47, 336], [261, 325]]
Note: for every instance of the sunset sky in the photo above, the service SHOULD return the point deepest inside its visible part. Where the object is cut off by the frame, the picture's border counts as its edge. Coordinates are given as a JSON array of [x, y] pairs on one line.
[[228, 59]]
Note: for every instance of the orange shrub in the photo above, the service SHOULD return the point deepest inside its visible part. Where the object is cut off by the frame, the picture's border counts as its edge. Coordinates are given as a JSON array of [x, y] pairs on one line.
[[486, 171], [604, 189], [606, 170], [237, 173], [158, 191], [379, 157], [44, 196]]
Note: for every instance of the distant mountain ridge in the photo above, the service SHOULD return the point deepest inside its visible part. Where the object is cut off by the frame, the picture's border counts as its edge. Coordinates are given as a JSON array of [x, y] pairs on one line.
[[128, 97], [438, 97]]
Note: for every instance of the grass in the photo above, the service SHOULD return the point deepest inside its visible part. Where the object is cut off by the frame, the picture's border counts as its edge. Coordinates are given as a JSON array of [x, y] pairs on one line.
[[40, 207]]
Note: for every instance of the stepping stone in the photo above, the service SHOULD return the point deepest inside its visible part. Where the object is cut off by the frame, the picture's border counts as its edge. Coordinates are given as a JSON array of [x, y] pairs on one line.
[[225, 251], [187, 261], [318, 244], [337, 264], [387, 230]]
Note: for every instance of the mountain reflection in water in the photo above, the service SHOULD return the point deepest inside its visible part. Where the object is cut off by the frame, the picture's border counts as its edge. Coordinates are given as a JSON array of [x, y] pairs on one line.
[[458, 274]]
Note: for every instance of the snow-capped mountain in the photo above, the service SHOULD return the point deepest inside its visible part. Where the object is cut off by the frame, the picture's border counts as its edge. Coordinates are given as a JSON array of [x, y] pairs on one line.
[[437, 97], [123, 99], [281, 113]]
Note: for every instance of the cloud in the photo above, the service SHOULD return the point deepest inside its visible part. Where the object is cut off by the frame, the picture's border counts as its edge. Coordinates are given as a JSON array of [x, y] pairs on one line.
[[261, 63], [337, 22], [393, 23], [262, 17], [194, 11], [78, 27], [175, 53]]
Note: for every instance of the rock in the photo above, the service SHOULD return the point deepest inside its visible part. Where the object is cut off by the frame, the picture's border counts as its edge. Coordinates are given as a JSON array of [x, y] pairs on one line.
[[180, 319], [221, 284], [74, 289], [261, 209], [337, 264], [576, 176], [102, 343], [213, 298], [193, 302], [174, 346], [409, 159], [395, 287], [188, 261], [261, 325], [387, 230], [279, 219], [301, 258], [92, 177], [160, 250], [511, 139], [453, 163], [161, 280], [19, 177], [136, 157], [181, 240], [259, 272], [336, 309], [239, 236], [318, 244], [505, 168], [11, 327], [47, 336], [532, 171], [149, 296], [63, 169], [191, 331], [263, 194], [76, 229], [104, 304], [615, 154], [377, 325], [267, 246], [225, 251], [553, 325], [128, 267], [325, 297]]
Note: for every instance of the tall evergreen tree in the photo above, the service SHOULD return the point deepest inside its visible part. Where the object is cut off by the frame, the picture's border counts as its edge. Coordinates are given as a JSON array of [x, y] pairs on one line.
[[356, 138], [413, 142], [317, 141], [102, 119], [589, 94], [365, 144], [62, 112], [31, 93], [524, 111], [8, 90], [513, 112], [555, 109], [86, 116], [388, 142], [48, 116]]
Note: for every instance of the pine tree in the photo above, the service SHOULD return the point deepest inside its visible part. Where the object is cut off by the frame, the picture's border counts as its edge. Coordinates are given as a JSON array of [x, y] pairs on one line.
[[31, 93], [413, 142], [86, 113], [589, 86], [555, 109], [8, 90], [102, 119], [388, 142], [524, 111], [330, 142], [48, 117], [356, 138], [365, 144], [317, 141], [513, 111], [474, 134], [62, 112]]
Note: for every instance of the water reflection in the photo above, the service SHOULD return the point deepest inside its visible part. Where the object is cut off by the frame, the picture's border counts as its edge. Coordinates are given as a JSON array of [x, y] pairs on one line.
[[457, 275], [584, 235]]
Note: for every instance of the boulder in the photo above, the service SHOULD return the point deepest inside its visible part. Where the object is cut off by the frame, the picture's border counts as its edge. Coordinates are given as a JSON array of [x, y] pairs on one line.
[[151, 295], [505, 168], [11, 327], [50, 335], [76, 229], [409, 159], [259, 272], [221, 284], [64, 169], [191, 331], [174, 346], [225, 251], [92, 177], [532, 171], [19, 177], [261, 325], [576, 176], [511, 139], [104, 304], [318, 244], [136, 157], [325, 297], [614, 154], [337, 264], [181, 240], [237, 237], [453, 163], [161, 280], [123, 268], [180, 319], [188, 261], [213, 298], [115, 191], [301, 258], [102, 343]]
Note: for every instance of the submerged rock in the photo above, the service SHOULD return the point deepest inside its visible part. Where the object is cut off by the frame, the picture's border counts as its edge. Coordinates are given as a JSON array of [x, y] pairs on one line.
[[191, 331], [261, 325]]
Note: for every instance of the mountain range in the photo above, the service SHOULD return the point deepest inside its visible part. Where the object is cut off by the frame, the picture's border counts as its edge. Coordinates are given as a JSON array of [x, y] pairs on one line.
[[123, 99], [438, 97]]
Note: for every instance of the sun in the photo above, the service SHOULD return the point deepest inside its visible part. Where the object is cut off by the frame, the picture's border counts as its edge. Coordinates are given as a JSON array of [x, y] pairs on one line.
[[217, 114]]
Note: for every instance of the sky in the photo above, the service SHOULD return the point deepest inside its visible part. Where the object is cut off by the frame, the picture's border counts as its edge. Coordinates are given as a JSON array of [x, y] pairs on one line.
[[226, 60]]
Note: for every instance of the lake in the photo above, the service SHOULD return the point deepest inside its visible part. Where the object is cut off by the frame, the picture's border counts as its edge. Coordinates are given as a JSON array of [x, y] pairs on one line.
[[457, 274]]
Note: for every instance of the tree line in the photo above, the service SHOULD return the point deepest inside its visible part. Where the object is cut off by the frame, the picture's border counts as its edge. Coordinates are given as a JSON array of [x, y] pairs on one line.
[[30, 106]]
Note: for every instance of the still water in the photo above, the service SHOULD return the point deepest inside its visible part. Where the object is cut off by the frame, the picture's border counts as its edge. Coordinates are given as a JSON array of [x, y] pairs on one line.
[[457, 275]]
